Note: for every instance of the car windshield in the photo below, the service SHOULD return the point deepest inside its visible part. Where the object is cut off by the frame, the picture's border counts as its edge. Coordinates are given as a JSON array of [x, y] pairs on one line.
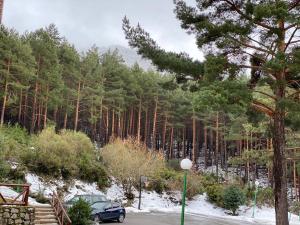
[[89, 198], [100, 206]]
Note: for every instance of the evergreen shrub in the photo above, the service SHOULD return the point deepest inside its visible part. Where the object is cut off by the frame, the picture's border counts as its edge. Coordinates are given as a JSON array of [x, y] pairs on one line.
[[233, 198], [80, 213]]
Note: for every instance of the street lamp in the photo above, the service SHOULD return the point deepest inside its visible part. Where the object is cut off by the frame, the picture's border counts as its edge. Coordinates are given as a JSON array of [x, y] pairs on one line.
[[186, 165], [255, 194], [143, 179]]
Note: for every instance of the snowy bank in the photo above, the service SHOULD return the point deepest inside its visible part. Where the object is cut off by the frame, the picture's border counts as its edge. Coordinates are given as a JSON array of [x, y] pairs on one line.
[[153, 202]]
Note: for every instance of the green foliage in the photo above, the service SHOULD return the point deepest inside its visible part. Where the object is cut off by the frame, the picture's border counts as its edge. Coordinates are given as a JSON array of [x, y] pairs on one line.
[[265, 196], [13, 140], [173, 62], [295, 207], [80, 213], [215, 194], [233, 198], [4, 170], [67, 154]]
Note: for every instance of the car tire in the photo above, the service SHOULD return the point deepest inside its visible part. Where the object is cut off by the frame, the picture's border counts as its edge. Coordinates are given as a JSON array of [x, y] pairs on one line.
[[97, 220], [121, 218]]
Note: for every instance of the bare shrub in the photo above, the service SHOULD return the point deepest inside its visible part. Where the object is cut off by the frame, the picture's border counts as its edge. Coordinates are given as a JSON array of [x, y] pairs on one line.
[[127, 160]]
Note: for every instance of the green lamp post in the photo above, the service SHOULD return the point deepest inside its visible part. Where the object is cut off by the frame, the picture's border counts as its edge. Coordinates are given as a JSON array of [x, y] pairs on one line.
[[186, 165], [255, 195]]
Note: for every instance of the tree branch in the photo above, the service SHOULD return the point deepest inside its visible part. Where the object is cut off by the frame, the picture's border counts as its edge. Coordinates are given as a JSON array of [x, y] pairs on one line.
[[291, 38], [262, 108], [294, 4], [247, 17], [266, 94]]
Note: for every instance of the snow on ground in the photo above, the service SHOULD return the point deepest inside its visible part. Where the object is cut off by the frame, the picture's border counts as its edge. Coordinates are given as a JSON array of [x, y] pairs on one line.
[[153, 202], [77, 187]]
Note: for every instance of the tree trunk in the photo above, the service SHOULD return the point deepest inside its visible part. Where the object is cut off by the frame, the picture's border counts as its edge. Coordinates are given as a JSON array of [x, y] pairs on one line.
[[171, 143], [55, 114], [46, 107], [154, 125], [164, 133], [194, 157], [205, 147], [113, 123], [217, 146], [146, 127], [20, 106], [131, 121], [183, 143], [139, 121], [32, 127], [77, 107], [279, 161], [119, 125], [107, 127], [39, 115], [25, 109], [4, 103], [65, 119]]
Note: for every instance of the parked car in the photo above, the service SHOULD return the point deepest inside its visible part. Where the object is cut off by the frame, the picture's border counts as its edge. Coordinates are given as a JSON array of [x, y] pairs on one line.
[[102, 208], [108, 211]]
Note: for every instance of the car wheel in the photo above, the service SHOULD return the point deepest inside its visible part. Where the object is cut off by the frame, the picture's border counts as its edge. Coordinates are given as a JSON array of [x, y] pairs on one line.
[[121, 218], [97, 220]]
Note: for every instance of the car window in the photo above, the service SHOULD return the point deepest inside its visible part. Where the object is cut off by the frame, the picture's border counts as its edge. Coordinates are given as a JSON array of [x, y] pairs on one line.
[[73, 200], [99, 198], [101, 206]]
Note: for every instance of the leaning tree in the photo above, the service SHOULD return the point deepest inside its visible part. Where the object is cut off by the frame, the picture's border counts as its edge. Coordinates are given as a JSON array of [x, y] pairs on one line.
[[239, 36]]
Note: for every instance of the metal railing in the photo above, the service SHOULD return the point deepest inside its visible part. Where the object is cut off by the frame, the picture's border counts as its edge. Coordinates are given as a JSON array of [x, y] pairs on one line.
[[59, 210], [20, 199]]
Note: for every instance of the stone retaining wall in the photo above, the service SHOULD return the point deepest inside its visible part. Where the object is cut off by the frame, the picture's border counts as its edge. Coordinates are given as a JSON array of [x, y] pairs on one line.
[[16, 215]]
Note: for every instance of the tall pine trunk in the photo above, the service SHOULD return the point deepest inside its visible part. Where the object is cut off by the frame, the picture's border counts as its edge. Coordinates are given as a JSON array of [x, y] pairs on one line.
[[279, 161], [4, 103], [205, 147], [171, 153], [194, 157], [146, 127], [65, 119], [139, 121], [217, 146], [164, 133], [154, 125], [46, 107], [20, 106], [77, 107], [33, 115]]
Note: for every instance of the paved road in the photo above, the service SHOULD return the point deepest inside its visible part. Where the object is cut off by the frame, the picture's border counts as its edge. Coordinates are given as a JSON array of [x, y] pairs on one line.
[[174, 219]]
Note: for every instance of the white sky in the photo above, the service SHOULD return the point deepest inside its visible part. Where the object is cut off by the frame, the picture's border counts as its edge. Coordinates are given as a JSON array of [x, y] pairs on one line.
[[88, 22]]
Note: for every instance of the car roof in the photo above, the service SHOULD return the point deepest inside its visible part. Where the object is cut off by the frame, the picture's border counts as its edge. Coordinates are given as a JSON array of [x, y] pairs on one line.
[[91, 195]]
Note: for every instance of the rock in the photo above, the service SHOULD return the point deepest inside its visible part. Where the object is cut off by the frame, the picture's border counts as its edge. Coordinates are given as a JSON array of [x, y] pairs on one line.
[[18, 221], [27, 217], [14, 210], [6, 215]]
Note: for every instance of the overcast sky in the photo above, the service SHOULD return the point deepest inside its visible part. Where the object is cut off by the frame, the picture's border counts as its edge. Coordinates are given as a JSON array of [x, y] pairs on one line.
[[88, 22]]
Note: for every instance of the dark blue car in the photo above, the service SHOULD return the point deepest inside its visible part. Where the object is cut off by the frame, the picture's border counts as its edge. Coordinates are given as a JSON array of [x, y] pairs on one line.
[[103, 209], [107, 211]]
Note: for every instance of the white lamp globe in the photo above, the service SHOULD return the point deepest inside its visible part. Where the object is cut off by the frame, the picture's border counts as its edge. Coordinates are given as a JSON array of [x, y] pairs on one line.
[[256, 183], [186, 164]]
